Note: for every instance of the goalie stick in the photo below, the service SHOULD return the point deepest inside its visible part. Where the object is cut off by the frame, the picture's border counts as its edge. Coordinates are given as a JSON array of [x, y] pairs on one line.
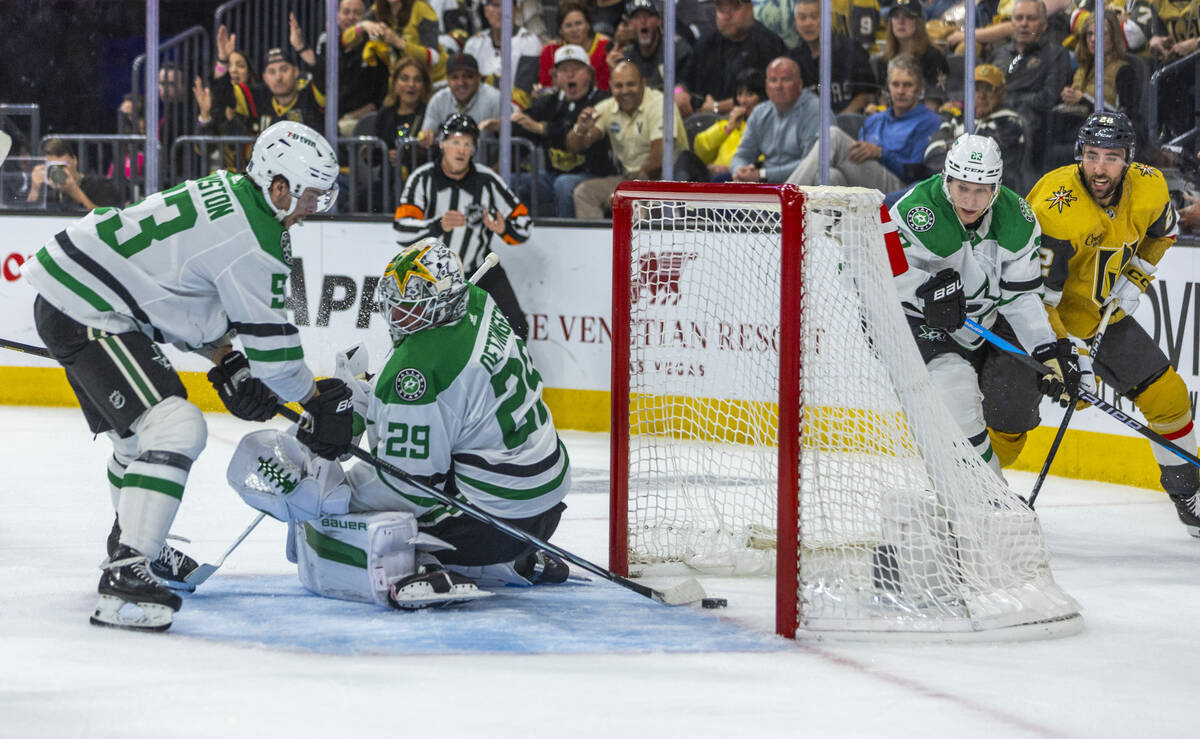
[[1062, 427], [205, 571], [1019, 354], [688, 591]]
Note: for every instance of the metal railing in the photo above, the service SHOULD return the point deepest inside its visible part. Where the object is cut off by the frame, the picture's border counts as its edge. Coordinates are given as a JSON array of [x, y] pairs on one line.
[[263, 24], [119, 157], [33, 112], [181, 59], [196, 156], [368, 183], [526, 156], [1171, 78]]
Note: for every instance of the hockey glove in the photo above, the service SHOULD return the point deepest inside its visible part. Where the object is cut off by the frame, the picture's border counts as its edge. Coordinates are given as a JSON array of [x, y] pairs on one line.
[[1062, 383], [945, 301], [1132, 283], [243, 394], [330, 424], [1087, 375]]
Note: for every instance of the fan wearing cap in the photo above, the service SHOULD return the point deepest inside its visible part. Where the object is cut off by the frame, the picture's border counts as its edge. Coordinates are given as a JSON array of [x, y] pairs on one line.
[[972, 250], [548, 121], [906, 34], [992, 119], [574, 24], [632, 119], [525, 50], [282, 96], [465, 93], [1107, 221], [466, 205], [641, 42]]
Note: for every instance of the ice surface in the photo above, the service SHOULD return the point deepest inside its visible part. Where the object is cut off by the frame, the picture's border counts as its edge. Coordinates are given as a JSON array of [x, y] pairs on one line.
[[251, 654]]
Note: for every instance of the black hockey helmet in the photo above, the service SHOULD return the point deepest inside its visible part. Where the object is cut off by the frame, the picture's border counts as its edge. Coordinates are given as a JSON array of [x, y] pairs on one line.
[[460, 123], [1109, 129]]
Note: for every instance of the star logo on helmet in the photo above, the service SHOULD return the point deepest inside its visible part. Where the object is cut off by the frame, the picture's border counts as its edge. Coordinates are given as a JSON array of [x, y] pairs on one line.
[[1061, 198], [410, 266]]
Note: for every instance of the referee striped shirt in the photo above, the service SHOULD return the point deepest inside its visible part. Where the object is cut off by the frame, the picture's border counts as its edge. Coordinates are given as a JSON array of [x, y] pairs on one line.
[[429, 194]]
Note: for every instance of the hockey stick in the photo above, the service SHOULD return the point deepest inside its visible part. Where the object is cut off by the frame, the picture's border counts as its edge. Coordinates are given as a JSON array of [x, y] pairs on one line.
[[205, 571], [1086, 395], [37, 351], [1062, 427], [688, 591]]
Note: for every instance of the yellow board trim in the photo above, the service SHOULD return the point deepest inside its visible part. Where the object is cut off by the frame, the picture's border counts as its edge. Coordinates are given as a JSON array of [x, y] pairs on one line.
[[1086, 455]]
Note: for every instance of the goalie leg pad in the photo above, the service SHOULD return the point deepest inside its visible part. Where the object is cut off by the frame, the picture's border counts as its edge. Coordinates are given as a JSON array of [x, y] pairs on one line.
[[274, 473], [356, 557], [916, 538]]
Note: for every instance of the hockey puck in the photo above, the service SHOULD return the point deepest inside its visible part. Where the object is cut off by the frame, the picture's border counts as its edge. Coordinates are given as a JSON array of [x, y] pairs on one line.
[[714, 603]]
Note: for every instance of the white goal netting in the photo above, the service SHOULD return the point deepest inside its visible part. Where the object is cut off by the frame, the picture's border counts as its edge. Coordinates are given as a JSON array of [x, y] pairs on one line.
[[902, 528]]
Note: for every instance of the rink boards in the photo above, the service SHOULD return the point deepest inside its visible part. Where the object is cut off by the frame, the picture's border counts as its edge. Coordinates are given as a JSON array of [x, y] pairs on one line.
[[562, 277]]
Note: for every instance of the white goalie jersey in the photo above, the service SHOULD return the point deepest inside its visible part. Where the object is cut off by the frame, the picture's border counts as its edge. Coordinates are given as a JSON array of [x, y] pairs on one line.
[[183, 266], [460, 407]]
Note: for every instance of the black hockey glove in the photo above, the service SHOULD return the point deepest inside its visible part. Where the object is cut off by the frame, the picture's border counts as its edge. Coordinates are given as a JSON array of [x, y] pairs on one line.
[[1062, 384], [945, 301], [328, 429], [243, 394]]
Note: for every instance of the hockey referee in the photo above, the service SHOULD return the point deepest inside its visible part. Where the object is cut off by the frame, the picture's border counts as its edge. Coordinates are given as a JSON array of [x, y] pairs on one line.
[[466, 205]]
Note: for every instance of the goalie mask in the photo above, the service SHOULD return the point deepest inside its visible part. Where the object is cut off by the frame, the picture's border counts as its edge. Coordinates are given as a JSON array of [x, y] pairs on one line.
[[301, 156], [422, 288], [974, 159]]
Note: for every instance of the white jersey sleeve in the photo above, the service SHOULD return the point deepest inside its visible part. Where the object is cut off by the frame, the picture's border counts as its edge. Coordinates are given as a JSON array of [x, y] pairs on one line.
[[183, 266]]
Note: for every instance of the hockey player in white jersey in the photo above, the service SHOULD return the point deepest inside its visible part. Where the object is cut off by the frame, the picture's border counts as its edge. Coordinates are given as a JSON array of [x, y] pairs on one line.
[[458, 405], [193, 266], [972, 248]]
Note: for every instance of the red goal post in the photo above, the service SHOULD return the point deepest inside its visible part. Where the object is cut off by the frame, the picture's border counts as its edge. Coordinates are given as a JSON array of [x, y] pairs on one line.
[[770, 412]]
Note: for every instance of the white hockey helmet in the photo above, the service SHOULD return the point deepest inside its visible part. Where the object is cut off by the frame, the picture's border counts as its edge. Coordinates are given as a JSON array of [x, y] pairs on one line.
[[302, 156], [422, 287], [976, 159]]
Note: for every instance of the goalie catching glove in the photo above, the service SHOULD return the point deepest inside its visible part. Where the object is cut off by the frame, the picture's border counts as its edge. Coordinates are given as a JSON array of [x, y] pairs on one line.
[[1071, 369], [945, 302], [328, 429], [1127, 291], [243, 394]]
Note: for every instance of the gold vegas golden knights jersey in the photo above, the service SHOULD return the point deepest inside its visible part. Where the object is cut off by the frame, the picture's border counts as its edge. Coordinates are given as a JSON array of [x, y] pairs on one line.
[[1085, 247]]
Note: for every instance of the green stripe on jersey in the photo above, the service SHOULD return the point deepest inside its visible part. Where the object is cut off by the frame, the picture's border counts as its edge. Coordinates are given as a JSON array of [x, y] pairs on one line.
[[267, 230], [72, 284], [334, 550], [285, 354], [140, 382], [115, 481], [510, 494], [157, 484]]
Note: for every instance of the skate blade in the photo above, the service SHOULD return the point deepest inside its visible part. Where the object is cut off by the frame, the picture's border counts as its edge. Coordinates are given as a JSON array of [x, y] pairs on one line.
[[115, 613], [421, 595]]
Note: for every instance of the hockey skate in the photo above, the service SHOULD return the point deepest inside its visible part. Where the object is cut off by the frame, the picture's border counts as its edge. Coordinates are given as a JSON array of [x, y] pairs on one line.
[[542, 567], [1188, 508], [433, 586], [171, 565], [131, 597]]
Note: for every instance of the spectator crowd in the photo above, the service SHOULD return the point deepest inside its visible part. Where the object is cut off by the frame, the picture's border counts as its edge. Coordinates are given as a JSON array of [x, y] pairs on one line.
[[588, 91]]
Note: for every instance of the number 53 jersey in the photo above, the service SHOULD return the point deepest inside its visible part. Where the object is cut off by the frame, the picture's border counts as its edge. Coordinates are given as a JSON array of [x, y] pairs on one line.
[[183, 266], [460, 408]]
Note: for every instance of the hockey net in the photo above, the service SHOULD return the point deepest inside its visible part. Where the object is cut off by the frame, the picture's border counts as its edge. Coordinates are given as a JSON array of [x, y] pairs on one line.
[[849, 479]]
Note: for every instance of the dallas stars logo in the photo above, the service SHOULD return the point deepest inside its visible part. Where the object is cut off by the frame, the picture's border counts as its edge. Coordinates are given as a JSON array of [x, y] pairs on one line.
[[932, 334], [1061, 198], [920, 219], [410, 384], [409, 266]]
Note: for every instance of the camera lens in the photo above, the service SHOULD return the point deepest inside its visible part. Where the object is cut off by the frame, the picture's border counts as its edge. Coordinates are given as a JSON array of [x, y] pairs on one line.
[[58, 175]]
